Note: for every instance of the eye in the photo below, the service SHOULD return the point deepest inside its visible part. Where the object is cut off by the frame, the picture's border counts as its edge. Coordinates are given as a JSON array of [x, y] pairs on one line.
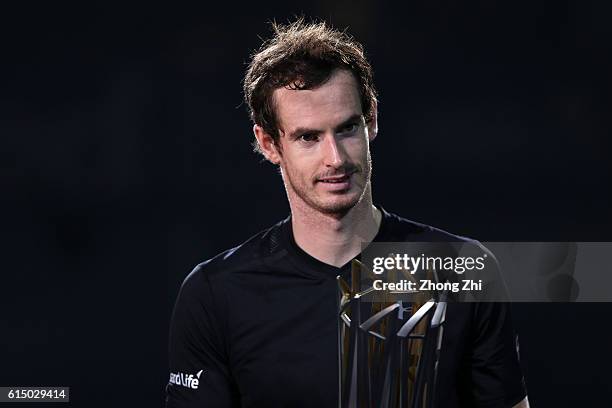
[[309, 137], [349, 129]]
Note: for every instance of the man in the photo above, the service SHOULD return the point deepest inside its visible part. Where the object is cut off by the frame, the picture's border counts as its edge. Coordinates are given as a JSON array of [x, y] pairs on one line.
[[256, 326]]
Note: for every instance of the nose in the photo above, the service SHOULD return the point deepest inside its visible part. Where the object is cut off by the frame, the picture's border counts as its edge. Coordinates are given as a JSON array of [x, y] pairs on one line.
[[334, 154]]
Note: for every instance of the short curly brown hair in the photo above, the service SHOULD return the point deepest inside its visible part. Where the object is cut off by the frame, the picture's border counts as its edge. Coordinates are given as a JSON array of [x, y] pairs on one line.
[[303, 55]]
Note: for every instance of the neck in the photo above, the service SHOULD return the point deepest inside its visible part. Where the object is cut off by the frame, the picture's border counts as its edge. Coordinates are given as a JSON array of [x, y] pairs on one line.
[[332, 238]]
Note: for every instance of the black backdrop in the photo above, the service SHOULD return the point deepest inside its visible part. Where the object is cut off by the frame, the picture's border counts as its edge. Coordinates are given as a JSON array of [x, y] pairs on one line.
[[126, 160]]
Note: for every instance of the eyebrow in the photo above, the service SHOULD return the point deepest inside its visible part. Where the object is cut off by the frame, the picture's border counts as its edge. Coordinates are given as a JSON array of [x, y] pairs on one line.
[[303, 130]]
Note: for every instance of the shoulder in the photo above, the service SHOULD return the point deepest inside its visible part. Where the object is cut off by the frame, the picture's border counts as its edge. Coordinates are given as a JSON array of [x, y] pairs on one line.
[[414, 231], [247, 256], [400, 229]]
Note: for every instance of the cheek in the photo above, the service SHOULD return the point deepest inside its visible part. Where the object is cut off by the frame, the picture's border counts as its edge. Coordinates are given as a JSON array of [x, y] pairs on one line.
[[300, 167], [357, 148]]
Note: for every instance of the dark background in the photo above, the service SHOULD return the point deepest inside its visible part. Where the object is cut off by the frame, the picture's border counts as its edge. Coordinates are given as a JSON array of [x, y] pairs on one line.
[[126, 160]]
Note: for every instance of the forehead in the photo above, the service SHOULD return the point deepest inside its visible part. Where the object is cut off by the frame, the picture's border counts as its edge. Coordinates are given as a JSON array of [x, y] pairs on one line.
[[332, 102]]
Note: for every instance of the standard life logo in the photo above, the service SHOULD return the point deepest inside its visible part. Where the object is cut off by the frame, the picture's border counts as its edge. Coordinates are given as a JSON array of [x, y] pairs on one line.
[[185, 380]]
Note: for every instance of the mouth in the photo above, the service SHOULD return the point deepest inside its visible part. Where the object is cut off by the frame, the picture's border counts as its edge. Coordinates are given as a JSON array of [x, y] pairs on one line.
[[336, 179], [337, 184]]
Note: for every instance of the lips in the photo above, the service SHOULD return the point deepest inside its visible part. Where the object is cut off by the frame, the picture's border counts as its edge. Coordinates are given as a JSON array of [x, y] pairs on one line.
[[335, 179]]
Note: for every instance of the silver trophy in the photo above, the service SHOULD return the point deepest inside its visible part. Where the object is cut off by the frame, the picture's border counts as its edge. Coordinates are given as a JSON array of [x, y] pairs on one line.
[[388, 348]]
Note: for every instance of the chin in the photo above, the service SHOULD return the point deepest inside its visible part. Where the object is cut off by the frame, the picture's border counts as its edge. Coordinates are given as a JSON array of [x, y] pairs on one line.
[[339, 205]]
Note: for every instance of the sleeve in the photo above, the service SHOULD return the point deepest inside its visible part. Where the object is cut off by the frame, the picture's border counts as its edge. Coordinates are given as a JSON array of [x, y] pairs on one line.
[[496, 376], [199, 369]]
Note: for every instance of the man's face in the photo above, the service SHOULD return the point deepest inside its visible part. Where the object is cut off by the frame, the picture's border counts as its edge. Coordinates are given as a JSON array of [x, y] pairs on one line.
[[324, 150]]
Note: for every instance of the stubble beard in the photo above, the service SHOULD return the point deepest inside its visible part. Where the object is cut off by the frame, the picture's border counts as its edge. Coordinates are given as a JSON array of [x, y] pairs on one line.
[[305, 191]]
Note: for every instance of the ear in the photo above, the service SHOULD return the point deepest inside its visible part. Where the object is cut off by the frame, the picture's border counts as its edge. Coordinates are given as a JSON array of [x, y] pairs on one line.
[[373, 125], [266, 144]]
